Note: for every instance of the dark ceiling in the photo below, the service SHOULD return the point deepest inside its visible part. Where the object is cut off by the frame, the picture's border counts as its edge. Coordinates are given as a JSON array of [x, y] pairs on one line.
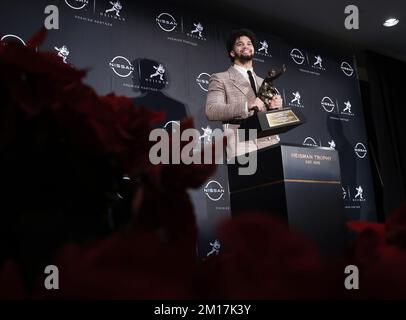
[[324, 20]]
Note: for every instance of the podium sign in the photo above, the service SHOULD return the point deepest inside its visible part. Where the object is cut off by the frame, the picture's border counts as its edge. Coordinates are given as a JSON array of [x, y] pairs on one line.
[[302, 185]]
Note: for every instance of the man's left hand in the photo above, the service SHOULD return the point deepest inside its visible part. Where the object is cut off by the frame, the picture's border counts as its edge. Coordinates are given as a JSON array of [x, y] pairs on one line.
[[276, 102]]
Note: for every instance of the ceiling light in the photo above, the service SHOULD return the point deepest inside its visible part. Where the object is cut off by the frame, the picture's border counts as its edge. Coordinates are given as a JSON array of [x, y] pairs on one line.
[[391, 22]]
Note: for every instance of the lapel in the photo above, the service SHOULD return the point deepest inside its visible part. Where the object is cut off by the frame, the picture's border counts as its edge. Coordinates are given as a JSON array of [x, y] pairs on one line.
[[242, 84], [239, 81]]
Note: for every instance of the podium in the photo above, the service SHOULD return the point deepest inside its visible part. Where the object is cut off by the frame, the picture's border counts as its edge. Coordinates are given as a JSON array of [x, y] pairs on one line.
[[301, 185]]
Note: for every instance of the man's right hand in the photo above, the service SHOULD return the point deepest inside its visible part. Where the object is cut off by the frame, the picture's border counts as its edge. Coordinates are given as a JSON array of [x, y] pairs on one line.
[[259, 104]]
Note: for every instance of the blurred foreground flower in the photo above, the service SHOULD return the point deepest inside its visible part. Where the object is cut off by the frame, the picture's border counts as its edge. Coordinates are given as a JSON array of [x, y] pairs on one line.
[[380, 252], [75, 168]]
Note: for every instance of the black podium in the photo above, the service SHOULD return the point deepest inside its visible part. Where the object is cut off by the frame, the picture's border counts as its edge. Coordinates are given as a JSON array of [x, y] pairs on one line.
[[301, 185]]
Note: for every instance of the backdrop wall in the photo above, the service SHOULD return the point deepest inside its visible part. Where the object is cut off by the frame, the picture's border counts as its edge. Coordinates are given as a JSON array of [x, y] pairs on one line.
[[162, 56]]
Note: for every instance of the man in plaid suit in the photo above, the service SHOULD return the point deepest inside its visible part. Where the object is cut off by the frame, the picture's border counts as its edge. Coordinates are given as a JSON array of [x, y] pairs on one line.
[[232, 94]]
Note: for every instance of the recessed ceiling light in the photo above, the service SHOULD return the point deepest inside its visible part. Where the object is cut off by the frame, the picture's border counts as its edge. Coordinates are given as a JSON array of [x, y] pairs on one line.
[[391, 22]]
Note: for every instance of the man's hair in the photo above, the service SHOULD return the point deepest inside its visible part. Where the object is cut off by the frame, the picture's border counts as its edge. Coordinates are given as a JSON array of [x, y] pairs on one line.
[[234, 35]]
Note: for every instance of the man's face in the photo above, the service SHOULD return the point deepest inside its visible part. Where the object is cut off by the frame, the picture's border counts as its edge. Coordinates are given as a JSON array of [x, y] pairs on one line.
[[243, 49]]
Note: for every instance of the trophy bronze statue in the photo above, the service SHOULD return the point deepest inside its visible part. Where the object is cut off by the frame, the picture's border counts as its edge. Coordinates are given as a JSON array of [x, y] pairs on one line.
[[268, 90]]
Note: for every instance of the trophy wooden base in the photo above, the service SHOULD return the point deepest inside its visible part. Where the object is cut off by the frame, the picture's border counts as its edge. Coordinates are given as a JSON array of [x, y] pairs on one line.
[[273, 122]]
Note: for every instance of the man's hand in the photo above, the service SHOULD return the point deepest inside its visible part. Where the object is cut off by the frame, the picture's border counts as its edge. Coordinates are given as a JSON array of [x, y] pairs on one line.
[[259, 104], [276, 102]]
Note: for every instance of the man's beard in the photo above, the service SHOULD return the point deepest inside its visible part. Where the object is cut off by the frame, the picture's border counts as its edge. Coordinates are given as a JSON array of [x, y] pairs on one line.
[[244, 57]]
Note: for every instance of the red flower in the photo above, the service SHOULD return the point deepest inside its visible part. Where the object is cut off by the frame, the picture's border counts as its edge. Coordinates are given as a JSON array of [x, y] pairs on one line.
[[396, 227], [11, 281], [264, 260], [34, 80], [379, 252], [123, 266]]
